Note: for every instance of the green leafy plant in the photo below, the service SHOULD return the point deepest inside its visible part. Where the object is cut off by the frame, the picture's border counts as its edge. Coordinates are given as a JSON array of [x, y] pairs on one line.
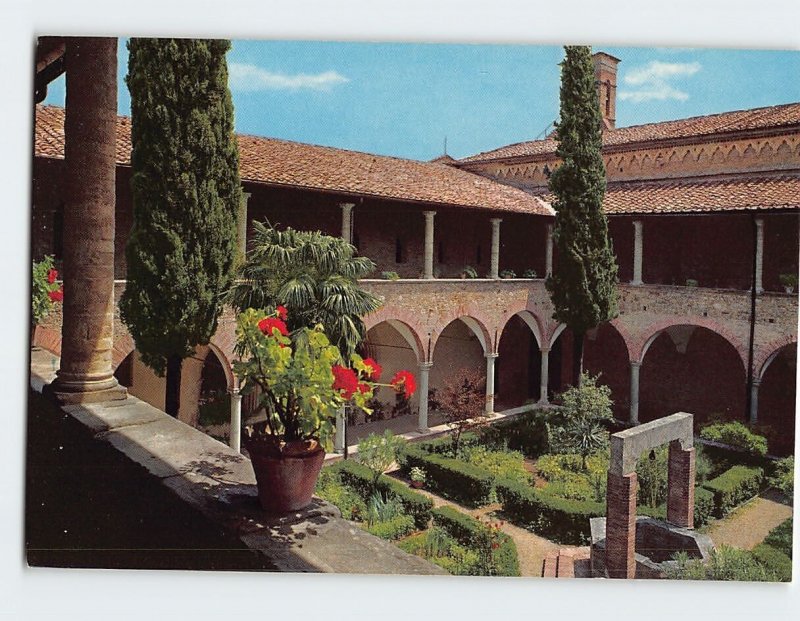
[[529, 273], [390, 275], [45, 291], [691, 282], [378, 453], [783, 477], [469, 272], [780, 537], [788, 280], [725, 563], [417, 475], [737, 435], [508, 274], [382, 508]]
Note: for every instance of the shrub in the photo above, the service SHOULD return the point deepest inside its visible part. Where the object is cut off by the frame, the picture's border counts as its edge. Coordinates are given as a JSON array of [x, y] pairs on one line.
[[394, 528], [703, 506], [330, 488], [526, 433], [651, 472], [390, 276], [508, 274], [725, 563], [568, 478], [737, 435], [379, 452], [733, 487], [774, 561], [450, 477], [567, 521], [780, 537], [783, 477], [361, 479], [500, 464], [439, 548], [529, 273], [496, 551]]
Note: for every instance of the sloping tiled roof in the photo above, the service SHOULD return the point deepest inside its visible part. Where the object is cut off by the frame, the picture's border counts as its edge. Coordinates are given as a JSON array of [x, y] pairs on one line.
[[726, 122], [736, 194], [279, 162]]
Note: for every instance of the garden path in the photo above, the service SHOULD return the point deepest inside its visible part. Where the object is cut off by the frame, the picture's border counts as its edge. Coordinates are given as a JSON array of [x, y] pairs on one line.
[[748, 525], [531, 549]]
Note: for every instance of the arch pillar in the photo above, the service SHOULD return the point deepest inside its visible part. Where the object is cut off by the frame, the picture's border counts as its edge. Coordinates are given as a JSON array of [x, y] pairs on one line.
[[633, 416], [544, 380], [754, 386], [424, 373], [235, 441], [490, 358]]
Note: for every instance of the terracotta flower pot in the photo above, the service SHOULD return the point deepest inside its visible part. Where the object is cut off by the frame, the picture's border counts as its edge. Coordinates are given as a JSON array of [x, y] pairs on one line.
[[417, 484], [286, 474]]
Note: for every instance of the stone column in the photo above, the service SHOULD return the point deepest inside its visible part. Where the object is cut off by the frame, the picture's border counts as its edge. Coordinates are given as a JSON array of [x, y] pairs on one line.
[[191, 383], [339, 439], [638, 246], [680, 486], [235, 440], [494, 265], [347, 221], [754, 386], [759, 255], [490, 358], [241, 225], [621, 525], [87, 334], [422, 383], [544, 378], [428, 256], [548, 257], [633, 415]]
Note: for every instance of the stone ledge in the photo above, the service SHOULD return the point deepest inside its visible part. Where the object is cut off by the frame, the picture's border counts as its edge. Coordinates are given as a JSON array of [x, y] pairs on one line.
[[219, 482]]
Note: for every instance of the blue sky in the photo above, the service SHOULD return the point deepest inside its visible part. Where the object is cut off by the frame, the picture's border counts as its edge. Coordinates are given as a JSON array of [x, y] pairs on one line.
[[403, 99]]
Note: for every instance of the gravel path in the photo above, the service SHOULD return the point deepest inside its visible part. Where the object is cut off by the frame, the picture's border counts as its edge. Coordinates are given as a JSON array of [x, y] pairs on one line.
[[531, 548], [748, 525]]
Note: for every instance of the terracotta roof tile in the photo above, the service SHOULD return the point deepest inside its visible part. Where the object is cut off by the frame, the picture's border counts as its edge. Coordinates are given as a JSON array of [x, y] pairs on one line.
[[280, 162], [675, 197], [740, 120]]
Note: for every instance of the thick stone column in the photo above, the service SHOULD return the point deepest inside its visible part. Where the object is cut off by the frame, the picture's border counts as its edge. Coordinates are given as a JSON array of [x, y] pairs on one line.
[[494, 265], [754, 386], [633, 415], [544, 377], [621, 525], [490, 358], [680, 485], [191, 383], [638, 249], [548, 256], [759, 255], [87, 333], [347, 221], [241, 225], [235, 440], [422, 383], [339, 439], [427, 272]]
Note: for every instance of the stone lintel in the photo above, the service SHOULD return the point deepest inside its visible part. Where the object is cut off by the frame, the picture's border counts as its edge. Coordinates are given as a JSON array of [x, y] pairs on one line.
[[628, 445]]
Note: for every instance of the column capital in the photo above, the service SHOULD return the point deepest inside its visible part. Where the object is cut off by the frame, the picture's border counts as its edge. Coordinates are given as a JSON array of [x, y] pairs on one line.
[[759, 222], [637, 223], [755, 382], [495, 221], [493, 354], [246, 195], [347, 206], [636, 363], [428, 214], [545, 349], [550, 227], [425, 366]]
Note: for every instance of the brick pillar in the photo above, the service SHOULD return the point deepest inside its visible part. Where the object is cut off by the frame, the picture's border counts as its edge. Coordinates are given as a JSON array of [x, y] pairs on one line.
[[621, 525], [87, 333], [680, 486]]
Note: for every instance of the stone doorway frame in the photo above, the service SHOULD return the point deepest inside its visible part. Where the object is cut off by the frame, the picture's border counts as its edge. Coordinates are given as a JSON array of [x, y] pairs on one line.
[[626, 448]]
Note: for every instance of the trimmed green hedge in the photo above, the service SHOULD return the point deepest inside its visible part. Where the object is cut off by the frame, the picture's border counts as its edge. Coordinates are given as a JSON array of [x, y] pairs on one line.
[[360, 478], [526, 433], [566, 521], [471, 533], [703, 508], [397, 527], [780, 537], [774, 560], [733, 487], [449, 477]]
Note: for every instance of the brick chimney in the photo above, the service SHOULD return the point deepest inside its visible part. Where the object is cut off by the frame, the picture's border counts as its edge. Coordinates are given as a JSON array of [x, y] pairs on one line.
[[605, 75]]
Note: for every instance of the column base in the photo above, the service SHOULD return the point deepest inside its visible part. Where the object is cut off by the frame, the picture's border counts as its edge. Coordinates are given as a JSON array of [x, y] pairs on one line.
[[75, 392]]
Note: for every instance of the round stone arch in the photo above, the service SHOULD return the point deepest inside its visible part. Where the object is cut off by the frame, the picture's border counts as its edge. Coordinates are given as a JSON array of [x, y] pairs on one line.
[[226, 363], [408, 328], [408, 333], [123, 347], [518, 367], [476, 326], [770, 352]]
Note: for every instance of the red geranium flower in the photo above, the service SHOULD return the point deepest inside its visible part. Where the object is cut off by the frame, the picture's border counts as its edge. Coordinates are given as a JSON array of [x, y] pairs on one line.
[[403, 381], [282, 312], [375, 373], [51, 276], [345, 380], [268, 324], [364, 388], [56, 296]]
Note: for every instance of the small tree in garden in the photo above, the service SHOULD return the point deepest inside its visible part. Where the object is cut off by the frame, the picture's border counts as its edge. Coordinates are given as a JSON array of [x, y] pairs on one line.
[[584, 408], [463, 404], [378, 453]]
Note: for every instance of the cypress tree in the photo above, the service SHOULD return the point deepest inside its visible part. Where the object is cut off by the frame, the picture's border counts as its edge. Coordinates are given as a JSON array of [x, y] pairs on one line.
[[583, 286], [186, 192]]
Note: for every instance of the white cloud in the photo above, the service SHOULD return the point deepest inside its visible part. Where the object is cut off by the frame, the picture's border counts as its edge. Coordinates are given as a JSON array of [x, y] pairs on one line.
[[653, 81], [244, 77]]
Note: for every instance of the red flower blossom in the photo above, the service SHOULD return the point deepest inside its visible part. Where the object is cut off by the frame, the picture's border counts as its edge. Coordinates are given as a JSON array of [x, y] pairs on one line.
[[364, 388], [268, 324], [282, 312], [345, 380], [375, 373], [51, 276], [56, 296], [403, 381]]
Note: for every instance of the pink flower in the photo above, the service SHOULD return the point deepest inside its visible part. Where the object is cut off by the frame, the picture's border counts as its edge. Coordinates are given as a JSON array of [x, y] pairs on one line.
[[375, 371], [269, 324], [403, 381], [345, 381]]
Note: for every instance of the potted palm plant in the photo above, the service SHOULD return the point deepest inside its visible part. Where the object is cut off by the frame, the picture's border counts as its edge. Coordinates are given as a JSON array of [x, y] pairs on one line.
[[300, 384]]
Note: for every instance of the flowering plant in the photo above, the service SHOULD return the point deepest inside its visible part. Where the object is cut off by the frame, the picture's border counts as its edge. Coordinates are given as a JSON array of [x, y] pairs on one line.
[[300, 380], [45, 291]]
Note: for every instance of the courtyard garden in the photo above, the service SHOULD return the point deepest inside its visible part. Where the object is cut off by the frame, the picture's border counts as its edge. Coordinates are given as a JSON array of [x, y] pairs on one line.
[[543, 474]]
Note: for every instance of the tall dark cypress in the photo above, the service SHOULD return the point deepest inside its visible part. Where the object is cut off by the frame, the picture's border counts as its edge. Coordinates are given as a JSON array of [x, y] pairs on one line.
[[186, 193], [583, 286]]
